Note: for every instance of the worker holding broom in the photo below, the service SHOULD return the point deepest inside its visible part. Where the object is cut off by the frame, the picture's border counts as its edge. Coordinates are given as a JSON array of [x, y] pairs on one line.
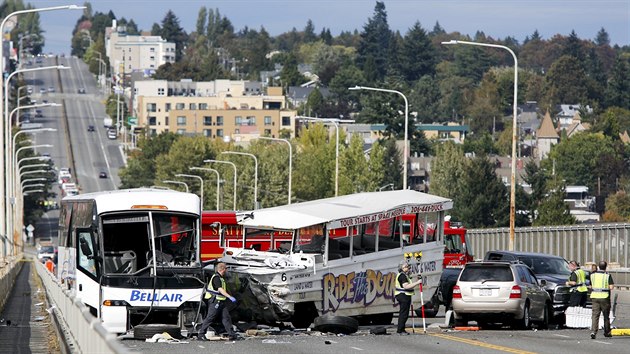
[[403, 293]]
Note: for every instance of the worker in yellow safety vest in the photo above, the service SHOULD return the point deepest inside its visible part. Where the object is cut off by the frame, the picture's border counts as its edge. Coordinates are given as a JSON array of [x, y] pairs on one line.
[[601, 286], [403, 293], [577, 282], [216, 298]]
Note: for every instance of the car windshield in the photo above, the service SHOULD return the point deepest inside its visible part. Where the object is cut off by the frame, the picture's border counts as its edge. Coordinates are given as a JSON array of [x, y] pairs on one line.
[[544, 265], [480, 273], [47, 249]]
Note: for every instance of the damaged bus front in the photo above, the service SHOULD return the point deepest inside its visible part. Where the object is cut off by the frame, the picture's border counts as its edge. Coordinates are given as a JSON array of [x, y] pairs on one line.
[[132, 256], [342, 260]]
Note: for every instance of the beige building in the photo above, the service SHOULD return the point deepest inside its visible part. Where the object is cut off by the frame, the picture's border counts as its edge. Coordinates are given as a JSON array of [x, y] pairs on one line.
[[221, 109], [130, 53]]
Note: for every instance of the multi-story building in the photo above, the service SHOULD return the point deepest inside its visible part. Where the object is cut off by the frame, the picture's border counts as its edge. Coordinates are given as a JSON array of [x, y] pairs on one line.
[[131, 53], [231, 110]]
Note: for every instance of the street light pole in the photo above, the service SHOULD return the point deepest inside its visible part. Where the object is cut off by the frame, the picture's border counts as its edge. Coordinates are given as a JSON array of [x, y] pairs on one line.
[[177, 182], [406, 147], [514, 133], [200, 182], [218, 179], [335, 122], [290, 159], [255, 172], [234, 166]]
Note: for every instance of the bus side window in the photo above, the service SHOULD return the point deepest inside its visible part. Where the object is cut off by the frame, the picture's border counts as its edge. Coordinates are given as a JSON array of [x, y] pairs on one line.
[[86, 253]]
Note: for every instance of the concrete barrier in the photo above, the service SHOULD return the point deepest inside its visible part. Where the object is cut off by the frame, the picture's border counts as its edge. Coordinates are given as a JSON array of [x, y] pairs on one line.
[[8, 273]]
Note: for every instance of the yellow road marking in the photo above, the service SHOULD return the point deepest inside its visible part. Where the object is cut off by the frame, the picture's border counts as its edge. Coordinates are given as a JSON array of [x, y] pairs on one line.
[[481, 344]]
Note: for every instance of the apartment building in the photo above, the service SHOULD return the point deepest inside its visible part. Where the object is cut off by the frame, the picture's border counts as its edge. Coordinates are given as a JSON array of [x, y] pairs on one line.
[[133, 53], [229, 110]]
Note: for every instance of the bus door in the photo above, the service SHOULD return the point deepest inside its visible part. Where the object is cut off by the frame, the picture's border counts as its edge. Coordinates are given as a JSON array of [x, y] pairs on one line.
[[86, 286]]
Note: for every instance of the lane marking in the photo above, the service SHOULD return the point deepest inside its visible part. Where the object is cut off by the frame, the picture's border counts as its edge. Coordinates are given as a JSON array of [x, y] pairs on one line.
[[356, 348], [482, 344], [561, 335], [600, 342]]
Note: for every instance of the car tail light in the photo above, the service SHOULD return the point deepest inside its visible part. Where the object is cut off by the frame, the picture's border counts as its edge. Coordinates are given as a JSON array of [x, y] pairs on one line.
[[516, 292], [457, 292]]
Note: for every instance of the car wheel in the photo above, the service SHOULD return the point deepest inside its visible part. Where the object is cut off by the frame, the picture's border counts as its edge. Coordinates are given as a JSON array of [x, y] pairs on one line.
[[461, 322], [145, 331], [336, 324], [544, 324], [525, 322]]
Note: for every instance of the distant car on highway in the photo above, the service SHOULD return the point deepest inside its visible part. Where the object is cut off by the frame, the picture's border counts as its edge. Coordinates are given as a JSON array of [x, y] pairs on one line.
[[112, 134], [102, 174], [51, 89], [90, 128], [81, 90], [42, 90]]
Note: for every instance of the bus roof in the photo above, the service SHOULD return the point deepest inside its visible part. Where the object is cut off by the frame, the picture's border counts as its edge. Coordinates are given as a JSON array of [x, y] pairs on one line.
[[346, 210], [125, 199]]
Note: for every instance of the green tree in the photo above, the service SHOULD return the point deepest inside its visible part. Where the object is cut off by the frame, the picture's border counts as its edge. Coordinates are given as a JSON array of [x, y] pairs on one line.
[[425, 99], [565, 82], [309, 32], [352, 168], [553, 210], [314, 165], [314, 103], [618, 207], [418, 55], [289, 75], [141, 168], [584, 158], [373, 49], [447, 170], [392, 157], [202, 18], [482, 199], [173, 32], [378, 169], [273, 174], [618, 88]]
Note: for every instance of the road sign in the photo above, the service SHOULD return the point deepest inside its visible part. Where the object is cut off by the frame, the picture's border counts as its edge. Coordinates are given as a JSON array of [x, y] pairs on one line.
[[30, 228], [132, 120]]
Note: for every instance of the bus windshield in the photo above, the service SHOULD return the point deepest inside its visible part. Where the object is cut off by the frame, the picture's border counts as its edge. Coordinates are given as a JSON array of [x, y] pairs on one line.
[[128, 240]]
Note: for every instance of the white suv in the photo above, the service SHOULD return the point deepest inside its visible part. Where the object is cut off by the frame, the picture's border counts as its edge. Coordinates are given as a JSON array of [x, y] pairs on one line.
[[500, 292]]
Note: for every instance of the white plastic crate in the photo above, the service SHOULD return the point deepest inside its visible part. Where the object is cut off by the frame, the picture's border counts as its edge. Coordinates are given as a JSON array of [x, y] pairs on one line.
[[580, 317]]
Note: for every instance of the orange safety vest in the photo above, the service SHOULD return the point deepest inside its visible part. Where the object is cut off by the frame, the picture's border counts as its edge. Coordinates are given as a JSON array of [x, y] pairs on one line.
[[50, 265]]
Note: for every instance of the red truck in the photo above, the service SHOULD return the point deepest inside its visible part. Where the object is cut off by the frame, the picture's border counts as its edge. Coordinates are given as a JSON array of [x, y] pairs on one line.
[[211, 221]]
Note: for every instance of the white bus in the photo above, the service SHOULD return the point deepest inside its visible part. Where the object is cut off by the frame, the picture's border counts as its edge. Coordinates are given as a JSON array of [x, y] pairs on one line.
[[132, 256]]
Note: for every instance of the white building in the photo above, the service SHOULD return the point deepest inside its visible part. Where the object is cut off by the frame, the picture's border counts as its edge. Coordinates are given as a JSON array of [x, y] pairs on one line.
[[131, 53]]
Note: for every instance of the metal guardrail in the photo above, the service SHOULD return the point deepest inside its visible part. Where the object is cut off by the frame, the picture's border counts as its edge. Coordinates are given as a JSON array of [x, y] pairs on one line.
[[88, 334], [586, 243]]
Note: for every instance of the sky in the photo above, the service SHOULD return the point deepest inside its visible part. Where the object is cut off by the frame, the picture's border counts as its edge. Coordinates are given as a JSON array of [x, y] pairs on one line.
[[496, 18]]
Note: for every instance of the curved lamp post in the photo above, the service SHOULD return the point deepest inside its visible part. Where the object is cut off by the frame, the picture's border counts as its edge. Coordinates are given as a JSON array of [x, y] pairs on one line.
[[335, 122], [514, 133], [177, 182], [200, 182], [406, 147], [290, 159], [255, 172], [234, 166], [218, 179]]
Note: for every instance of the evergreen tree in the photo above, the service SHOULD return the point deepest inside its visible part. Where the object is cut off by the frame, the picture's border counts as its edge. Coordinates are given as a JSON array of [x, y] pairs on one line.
[[553, 210], [418, 56], [602, 38], [482, 199], [618, 88], [173, 32], [425, 99], [290, 76], [437, 30], [447, 170], [309, 32], [392, 157], [325, 36], [565, 82], [202, 16], [373, 49]]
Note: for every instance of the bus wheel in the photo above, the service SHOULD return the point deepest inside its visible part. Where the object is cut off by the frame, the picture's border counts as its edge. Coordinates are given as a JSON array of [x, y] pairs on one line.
[[304, 314], [145, 331], [336, 324]]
